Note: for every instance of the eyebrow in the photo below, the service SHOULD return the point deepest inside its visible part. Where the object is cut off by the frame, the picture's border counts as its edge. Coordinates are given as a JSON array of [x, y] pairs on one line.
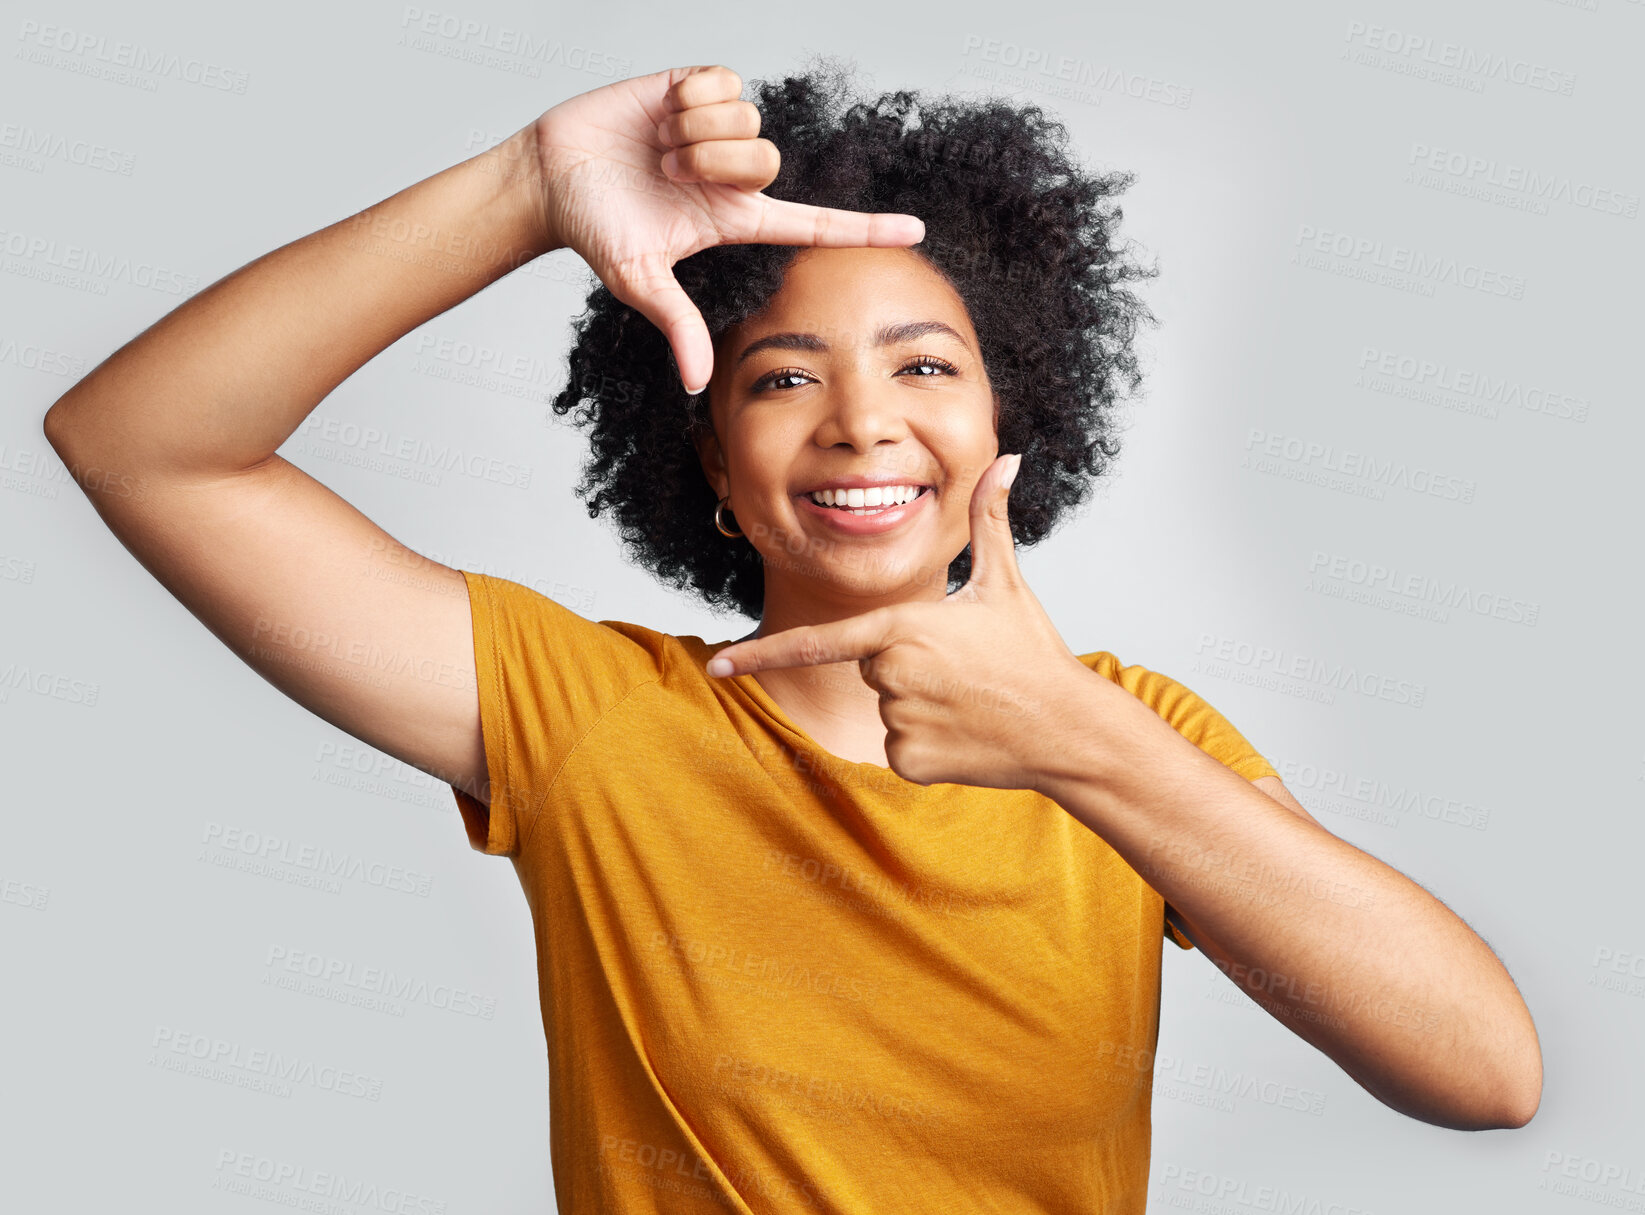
[[887, 335]]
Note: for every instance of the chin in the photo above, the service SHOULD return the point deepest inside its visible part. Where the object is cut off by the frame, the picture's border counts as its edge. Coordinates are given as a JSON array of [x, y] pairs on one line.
[[889, 578]]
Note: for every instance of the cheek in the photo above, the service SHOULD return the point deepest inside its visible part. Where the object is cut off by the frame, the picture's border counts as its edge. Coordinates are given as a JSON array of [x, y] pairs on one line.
[[968, 445], [760, 461]]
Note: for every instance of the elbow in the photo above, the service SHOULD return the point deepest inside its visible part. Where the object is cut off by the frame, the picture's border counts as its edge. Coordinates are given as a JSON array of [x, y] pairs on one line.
[[1497, 1090], [1508, 1114], [1517, 1093], [56, 429], [1527, 1096], [52, 426], [1515, 1068], [1525, 1112], [1524, 1074], [1504, 1108], [86, 456], [55, 425]]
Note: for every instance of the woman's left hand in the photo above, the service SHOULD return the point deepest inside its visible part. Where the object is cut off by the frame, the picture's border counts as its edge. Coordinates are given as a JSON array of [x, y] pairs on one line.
[[973, 689]]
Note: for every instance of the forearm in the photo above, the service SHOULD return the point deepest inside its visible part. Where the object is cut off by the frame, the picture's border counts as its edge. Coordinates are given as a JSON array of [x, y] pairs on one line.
[[1349, 953], [217, 385]]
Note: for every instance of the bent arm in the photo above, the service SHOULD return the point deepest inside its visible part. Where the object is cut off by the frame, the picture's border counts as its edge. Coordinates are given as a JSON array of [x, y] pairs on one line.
[[173, 439], [1346, 951]]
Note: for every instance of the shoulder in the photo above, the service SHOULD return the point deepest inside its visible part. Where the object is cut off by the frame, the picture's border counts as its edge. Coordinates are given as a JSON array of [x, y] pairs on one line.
[[523, 626], [1159, 690], [1163, 694], [1189, 713], [527, 626]]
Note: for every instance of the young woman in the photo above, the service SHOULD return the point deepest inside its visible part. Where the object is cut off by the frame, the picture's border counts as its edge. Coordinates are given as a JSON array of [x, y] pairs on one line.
[[868, 916]]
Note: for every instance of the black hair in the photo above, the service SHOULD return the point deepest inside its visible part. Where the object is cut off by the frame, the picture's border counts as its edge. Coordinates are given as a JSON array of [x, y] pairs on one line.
[[1026, 236]]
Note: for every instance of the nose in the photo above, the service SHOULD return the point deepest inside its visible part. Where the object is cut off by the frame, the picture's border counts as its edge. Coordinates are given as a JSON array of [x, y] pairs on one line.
[[861, 410]]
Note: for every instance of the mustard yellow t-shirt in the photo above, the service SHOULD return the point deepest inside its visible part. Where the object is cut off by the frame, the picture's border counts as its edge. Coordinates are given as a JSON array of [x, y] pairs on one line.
[[776, 980]]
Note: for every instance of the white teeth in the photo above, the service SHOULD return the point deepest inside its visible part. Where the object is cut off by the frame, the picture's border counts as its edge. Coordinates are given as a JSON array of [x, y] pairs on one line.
[[876, 496]]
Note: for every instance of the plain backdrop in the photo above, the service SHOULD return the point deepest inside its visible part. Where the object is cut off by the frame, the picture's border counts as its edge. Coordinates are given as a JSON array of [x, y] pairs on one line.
[[1377, 503]]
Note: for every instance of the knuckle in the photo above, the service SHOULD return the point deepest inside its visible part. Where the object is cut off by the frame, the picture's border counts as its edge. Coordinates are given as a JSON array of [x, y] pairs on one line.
[[691, 159], [634, 279], [622, 278], [909, 764], [893, 677]]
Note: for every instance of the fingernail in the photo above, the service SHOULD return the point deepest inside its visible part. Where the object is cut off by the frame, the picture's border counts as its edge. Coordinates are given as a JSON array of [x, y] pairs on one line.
[[671, 163], [720, 666], [1011, 475]]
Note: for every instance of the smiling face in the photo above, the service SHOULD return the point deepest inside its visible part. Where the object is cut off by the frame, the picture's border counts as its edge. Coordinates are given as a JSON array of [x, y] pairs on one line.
[[862, 370]]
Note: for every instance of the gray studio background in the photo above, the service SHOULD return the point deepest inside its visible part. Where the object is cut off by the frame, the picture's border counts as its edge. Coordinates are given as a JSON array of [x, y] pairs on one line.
[[1369, 261]]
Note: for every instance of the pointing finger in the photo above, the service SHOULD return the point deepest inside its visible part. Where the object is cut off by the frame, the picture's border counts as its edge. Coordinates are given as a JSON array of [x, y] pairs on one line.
[[791, 223], [852, 639]]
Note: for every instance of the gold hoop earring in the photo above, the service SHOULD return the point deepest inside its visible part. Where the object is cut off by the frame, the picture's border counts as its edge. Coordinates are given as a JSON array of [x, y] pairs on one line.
[[718, 511]]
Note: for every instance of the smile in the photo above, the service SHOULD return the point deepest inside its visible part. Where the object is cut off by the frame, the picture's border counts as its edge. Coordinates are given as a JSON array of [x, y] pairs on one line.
[[862, 518], [861, 501]]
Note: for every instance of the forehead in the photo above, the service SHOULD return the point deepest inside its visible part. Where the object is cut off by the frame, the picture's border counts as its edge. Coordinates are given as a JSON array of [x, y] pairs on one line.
[[852, 291]]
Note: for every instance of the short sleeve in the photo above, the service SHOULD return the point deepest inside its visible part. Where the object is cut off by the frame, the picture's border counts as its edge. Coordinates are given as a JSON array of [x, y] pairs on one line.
[[545, 677], [1174, 934], [1195, 719]]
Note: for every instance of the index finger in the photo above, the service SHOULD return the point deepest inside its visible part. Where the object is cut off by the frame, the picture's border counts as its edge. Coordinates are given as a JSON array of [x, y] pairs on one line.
[[792, 223], [849, 640]]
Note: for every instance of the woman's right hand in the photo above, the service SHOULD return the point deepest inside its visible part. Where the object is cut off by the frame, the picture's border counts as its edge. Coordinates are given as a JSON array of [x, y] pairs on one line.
[[643, 172]]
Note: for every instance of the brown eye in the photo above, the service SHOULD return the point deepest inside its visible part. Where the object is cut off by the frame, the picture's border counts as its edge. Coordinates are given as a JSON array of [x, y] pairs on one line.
[[929, 365], [772, 379]]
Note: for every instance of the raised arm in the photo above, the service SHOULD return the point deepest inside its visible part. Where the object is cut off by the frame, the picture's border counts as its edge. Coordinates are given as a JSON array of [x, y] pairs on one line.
[[173, 440], [173, 437]]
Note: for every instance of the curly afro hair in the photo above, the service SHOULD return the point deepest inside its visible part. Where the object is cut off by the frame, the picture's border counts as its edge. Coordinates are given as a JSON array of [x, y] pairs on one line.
[[1020, 230]]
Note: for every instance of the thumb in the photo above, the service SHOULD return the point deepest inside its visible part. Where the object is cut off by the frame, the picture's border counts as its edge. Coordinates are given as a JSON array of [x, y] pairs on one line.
[[648, 285], [993, 551]]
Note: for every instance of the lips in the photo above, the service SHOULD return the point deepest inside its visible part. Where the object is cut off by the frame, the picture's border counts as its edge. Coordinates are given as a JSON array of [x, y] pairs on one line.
[[870, 499], [872, 520]]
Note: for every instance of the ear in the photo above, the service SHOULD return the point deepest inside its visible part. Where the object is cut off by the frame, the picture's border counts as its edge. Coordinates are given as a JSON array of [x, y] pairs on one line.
[[712, 459]]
